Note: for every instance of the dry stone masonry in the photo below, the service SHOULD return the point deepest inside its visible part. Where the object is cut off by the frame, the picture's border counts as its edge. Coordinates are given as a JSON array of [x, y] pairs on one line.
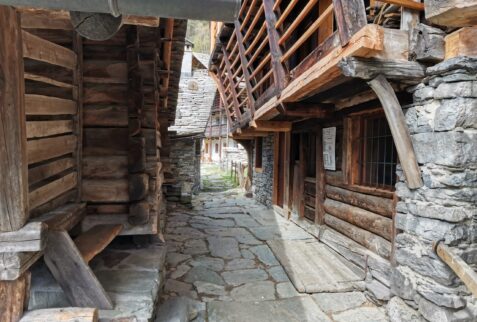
[[443, 125], [263, 179]]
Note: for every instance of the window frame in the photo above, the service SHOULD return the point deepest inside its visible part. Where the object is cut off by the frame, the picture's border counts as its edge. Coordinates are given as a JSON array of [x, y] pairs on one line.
[[258, 160]]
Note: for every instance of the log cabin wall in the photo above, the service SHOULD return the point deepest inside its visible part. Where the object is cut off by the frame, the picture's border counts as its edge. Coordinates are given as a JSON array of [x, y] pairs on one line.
[[52, 62]]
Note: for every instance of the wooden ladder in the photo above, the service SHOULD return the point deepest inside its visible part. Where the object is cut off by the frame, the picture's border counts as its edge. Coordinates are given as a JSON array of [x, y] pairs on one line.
[[68, 262]]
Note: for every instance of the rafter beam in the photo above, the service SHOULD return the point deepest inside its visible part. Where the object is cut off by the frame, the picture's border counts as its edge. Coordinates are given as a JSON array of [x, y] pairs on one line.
[[271, 126]]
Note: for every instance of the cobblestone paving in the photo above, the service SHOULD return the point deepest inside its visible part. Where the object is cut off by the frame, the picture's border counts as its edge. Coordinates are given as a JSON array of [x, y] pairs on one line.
[[218, 258]]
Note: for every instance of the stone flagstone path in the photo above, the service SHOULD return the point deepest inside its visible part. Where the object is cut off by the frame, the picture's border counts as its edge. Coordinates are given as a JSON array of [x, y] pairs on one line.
[[219, 264]]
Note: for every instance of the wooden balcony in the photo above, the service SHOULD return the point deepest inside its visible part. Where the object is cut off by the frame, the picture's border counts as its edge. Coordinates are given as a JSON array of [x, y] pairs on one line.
[[282, 55]]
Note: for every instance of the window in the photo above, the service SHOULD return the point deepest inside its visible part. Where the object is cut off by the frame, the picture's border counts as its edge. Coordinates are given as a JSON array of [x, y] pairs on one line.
[[216, 148], [258, 152], [207, 148], [378, 156]]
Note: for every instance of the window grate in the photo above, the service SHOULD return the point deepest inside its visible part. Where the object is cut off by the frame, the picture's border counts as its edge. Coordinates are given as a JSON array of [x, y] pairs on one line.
[[378, 157]]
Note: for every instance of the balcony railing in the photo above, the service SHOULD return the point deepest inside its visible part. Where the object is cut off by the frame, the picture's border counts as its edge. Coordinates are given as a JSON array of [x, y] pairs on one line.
[[273, 42]]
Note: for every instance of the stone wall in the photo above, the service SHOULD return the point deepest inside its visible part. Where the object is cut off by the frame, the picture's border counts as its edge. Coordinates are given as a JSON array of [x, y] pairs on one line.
[[262, 182], [443, 125], [185, 168]]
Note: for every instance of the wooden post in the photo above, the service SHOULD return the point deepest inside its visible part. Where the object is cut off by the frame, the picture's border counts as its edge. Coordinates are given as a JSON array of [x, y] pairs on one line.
[[14, 296], [279, 74], [13, 157], [320, 179], [350, 17], [399, 131], [78, 97], [244, 64], [287, 196], [302, 175]]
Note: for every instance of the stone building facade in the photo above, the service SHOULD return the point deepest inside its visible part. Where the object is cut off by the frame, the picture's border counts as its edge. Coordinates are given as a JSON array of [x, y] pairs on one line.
[[443, 125], [262, 183]]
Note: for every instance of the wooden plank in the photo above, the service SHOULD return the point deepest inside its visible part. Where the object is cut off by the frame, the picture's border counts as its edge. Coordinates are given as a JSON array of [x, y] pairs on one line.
[[46, 105], [53, 189], [43, 50], [462, 42], [14, 265], [408, 4], [105, 190], [44, 149], [77, 280], [14, 294], [280, 76], [105, 141], [64, 217], [95, 240], [78, 97], [465, 272], [455, 13], [105, 72], [65, 314], [375, 243], [232, 85], [39, 129], [326, 28], [13, 156], [44, 171], [105, 116], [110, 167], [244, 64], [30, 238], [350, 17], [47, 80], [379, 205], [399, 130], [272, 126]]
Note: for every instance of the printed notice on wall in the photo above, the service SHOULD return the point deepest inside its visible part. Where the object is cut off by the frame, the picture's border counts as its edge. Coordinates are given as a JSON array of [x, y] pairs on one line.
[[329, 140]]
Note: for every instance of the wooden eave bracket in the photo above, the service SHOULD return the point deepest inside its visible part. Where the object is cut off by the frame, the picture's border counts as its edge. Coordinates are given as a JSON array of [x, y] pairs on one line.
[[399, 130]]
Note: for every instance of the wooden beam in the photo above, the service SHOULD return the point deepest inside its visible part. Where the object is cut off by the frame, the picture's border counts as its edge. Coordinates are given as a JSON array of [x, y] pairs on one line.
[[14, 295], [31, 238], [350, 16], [369, 68], [65, 314], [320, 179], [466, 273], [75, 277], [454, 13], [13, 155], [272, 126], [244, 64], [462, 42], [46, 105], [308, 110], [95, 240], [408, 4], [279, 74], [399, 130], [43, 50]]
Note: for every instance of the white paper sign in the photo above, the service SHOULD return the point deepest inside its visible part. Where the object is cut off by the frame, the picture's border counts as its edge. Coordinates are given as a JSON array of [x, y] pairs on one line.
[[329, 141]]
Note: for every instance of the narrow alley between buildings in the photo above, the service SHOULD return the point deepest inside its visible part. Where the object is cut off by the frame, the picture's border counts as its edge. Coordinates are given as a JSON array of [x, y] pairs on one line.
[[220, 265]]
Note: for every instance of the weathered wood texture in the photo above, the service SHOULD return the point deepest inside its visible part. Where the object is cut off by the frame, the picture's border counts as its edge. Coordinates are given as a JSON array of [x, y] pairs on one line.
[[93, 241], [14, 265], [77, 280], [30, 238], [14, 295], [13, 160], [64, 217], [455, 13], [426, 44], [350, 17], [462, 42], [66, 314], [399, 130]]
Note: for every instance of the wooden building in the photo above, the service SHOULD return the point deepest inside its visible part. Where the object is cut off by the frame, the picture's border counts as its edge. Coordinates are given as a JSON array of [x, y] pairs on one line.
[[326, 84], [83, 128]]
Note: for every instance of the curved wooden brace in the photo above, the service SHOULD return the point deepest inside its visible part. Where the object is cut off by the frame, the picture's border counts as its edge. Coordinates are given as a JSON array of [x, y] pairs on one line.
[[399, 130]]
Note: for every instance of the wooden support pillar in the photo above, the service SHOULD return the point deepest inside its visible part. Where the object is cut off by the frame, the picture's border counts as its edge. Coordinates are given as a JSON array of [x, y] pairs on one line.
[[302, 175], [320, 179], [13, 157], [138, 178], [14, 296], [244, 64], [399, 130], [280, 76], [232, 84], [350, 17]]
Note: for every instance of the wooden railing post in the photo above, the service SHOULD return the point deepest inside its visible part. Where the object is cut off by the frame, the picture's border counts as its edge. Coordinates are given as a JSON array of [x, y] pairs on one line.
[[244, 64], [279, 74], [232, 84], [350, 17]]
